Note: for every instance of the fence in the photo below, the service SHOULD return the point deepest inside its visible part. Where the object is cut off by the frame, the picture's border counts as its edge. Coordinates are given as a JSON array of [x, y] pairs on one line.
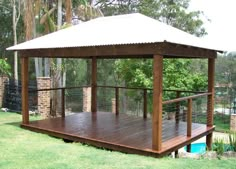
[[12, 95]]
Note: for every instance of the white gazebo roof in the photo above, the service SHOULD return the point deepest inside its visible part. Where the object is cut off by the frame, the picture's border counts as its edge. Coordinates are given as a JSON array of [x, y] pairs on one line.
[[114, 30]]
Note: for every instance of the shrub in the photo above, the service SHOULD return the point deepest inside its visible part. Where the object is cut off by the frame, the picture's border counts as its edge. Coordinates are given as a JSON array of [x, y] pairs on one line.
[[5, 68], [218, 146], [232, 141]]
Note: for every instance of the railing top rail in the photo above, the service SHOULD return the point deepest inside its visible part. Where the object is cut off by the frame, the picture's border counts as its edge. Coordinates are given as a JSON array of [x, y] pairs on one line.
[[142, 88], [121, 87], [184, 91], [186, 98], [60, 88]]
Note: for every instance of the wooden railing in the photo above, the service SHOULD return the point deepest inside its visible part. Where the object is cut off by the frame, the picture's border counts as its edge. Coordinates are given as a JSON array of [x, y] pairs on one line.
[[145, 100], [117, 89], [145, 97], [62, 89], [189, 100]]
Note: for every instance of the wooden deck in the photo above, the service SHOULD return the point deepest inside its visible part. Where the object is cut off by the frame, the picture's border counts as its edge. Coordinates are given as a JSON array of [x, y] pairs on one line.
[[122, 132]]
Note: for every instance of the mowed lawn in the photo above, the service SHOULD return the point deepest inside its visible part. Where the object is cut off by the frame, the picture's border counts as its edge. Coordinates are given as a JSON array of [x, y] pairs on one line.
[[22, 149]]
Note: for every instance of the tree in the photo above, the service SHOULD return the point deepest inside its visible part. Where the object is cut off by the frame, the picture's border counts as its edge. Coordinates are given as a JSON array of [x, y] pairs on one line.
[[172, 12], [177, 72], [225, 68], [5, 68], [117, 7], [6, 35], [175, 13], [10, 31], [15, 19]]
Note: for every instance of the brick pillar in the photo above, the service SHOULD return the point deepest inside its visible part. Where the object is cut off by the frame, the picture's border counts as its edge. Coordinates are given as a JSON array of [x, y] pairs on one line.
[[3, 79], [233, 122], [87, 99], [113, 104], [44, 96]]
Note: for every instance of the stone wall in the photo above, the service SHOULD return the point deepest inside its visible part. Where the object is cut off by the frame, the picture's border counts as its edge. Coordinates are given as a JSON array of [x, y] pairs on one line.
[[44, 96], [113, 105], [3, 79], [87, 99], [233, 122]]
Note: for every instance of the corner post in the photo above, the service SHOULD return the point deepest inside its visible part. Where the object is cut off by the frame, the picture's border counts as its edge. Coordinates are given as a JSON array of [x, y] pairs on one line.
[[24, 90], [94, 85], [189, 117], [63, 102], [157, 102], [145, 103], [117, 100], [210, 99]]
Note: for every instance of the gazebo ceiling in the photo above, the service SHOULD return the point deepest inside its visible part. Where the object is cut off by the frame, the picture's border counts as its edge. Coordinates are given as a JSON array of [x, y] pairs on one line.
[[131, 35]]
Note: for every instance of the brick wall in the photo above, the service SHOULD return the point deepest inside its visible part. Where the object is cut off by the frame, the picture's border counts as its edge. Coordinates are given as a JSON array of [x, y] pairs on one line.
[[87, 99], [233, 122], [113, 105], [3, 79], [44, 96]]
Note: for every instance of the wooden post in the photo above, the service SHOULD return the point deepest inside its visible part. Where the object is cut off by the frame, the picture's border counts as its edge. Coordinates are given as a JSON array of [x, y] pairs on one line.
[[94, 85], [177, 107], [209, 141], [145, 103], [189, 118], [189, 148], [24, 91], [157, 102], [176, 153], [210, 99], [117, 100], [63, 102]]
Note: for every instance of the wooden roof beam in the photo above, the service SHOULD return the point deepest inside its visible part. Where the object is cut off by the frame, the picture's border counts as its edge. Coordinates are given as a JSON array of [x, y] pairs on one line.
[[166, 49]]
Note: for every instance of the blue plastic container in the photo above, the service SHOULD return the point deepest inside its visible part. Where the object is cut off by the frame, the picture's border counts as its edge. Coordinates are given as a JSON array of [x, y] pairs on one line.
[[198, 148]]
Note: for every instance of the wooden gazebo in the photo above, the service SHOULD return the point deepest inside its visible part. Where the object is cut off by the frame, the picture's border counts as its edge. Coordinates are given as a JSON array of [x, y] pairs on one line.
[[125, 36]]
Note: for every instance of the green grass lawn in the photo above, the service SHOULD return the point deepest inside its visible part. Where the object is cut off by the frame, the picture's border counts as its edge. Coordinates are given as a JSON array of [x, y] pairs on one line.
[[22, 149], [222, 122]]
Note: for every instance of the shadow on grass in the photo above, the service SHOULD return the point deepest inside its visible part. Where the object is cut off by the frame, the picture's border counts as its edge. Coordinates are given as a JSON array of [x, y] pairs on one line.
[[15, 124]]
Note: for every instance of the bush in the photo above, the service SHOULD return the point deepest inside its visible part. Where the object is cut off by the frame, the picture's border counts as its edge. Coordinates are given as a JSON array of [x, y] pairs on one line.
[[218, 146], [5, 68], [232, 141]]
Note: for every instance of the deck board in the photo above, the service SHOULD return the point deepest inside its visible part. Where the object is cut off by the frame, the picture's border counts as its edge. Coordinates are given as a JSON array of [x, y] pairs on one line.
[[119, 132]]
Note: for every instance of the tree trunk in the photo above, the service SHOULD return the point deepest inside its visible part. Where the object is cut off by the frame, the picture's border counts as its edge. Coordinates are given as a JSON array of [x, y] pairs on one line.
[[40, 67], [68, 5], [46, 67], [64, 78], [36, 63], [68, 11], [15, 39], [57, 78], [15, 19], [28, 19]]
